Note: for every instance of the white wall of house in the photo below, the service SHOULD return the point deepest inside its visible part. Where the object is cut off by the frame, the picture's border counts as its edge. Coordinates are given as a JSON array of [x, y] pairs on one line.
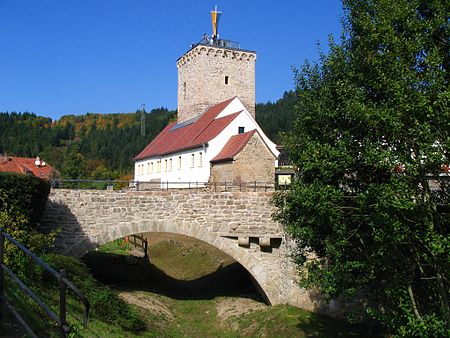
[[182, 167]]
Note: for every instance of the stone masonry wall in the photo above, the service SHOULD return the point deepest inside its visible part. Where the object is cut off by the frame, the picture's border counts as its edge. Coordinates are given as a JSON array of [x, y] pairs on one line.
[[201, 79], [239, 224], [254, 163]]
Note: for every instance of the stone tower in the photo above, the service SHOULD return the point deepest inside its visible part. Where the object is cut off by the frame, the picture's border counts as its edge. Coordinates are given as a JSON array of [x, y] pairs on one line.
[[213, 71]]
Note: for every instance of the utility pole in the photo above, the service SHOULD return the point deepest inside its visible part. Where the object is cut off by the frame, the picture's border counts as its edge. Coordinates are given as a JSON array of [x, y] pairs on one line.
[[143, 119]]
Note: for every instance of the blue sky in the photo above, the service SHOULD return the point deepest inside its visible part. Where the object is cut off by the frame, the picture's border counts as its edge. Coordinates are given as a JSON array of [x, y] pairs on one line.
[[60, 57]]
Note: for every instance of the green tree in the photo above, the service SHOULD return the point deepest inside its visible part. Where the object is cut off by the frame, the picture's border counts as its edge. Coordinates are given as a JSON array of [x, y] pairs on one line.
[[373, 124], [74, 165]]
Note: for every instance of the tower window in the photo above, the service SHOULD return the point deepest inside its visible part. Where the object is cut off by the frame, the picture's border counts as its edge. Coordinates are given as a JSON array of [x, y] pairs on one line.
[[226, 79], [184, 90], [241, 130]]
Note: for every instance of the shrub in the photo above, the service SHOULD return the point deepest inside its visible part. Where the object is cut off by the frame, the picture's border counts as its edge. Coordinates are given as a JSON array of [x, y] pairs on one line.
[[105, 303], [22, 202]]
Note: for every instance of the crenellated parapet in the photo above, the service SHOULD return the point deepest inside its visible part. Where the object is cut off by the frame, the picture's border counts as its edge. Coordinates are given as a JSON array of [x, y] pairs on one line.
[[216, 51]]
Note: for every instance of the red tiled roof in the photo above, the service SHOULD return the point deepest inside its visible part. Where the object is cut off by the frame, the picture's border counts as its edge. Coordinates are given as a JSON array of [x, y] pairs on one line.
[[24, 165], [173, 139], [234, 145]]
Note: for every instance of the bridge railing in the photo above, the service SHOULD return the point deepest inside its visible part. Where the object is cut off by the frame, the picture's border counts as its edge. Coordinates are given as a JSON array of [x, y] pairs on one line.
[[167, 185], [64, 283]]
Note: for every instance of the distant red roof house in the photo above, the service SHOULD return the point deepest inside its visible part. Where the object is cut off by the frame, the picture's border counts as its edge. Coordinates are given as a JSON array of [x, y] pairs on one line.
[[25, 165]]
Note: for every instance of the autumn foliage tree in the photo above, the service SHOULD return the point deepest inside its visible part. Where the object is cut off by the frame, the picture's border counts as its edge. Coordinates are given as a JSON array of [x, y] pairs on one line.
[[370, 143]]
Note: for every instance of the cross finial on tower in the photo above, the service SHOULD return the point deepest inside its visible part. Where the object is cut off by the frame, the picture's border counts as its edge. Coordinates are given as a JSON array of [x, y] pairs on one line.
[[215, 15]]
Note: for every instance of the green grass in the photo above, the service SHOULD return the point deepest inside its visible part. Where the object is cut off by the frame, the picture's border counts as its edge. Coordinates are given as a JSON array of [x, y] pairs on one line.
[[174, 255], [117, 247], [195, 317]]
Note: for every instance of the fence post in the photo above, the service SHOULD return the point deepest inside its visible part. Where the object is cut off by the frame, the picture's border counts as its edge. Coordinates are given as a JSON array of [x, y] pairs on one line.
[[145, 249], [2, 276], [62, 305]]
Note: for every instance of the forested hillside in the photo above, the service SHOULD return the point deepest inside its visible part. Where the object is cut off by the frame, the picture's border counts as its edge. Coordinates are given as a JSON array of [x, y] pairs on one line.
[[102, 146], [277, 117], [98, 146]]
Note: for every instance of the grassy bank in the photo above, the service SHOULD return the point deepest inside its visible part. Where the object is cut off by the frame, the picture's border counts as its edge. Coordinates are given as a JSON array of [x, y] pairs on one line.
[[186, 290]]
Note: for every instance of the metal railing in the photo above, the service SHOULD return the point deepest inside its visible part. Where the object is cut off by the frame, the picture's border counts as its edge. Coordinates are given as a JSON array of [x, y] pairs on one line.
[[253, 186], [211, 41], [64, 283]]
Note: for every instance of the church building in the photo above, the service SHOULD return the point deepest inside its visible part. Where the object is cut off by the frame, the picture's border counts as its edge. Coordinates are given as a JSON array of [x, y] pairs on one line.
[[215, 138]]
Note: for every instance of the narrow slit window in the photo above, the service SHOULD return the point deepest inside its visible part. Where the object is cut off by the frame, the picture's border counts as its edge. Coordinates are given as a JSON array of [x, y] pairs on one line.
[[226, 79]]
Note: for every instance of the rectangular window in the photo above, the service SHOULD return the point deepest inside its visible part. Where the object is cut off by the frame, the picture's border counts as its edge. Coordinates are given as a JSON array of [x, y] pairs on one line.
[[179, 162], [200, 159], [152, 168], [226, 79], [192, 160], [165, 165], [158, 166], [241, 130], [170, 164]]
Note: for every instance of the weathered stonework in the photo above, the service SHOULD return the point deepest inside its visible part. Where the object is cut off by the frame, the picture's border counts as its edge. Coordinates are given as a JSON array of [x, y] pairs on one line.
[[239, 224], [254, 163], [201, 79]]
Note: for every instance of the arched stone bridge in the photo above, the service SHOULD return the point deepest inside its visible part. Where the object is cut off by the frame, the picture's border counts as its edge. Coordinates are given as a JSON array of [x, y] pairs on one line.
[[238, 223]]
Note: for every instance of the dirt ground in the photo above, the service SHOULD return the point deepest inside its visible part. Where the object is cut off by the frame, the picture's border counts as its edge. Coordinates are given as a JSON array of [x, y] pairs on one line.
[[235, 307]]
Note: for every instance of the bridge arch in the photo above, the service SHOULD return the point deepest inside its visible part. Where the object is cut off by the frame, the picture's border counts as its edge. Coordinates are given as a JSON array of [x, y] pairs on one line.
[[238, 224], [249, 262]]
